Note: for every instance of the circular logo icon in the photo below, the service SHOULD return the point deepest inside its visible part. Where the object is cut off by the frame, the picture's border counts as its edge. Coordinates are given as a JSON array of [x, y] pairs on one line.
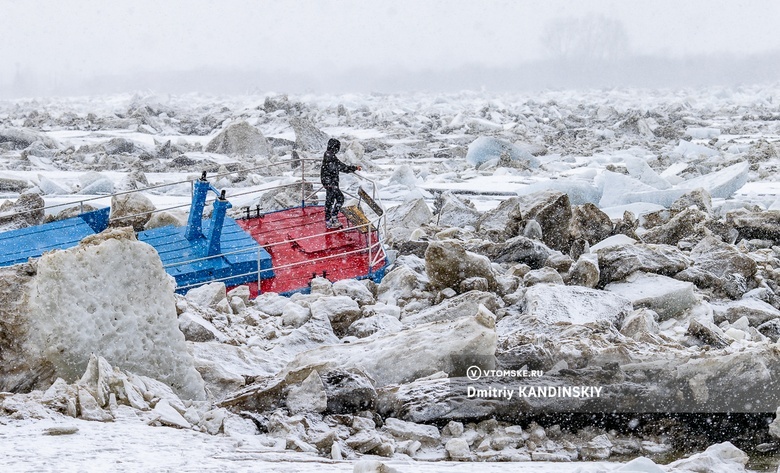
[[474, 372]]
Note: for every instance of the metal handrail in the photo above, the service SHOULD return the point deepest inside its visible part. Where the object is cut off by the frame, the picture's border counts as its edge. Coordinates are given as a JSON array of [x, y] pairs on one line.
[[376, 251], [374, 257], [206, 258], [81, 202], [282, 242], [249, 250], [375, 195], [290, 265]]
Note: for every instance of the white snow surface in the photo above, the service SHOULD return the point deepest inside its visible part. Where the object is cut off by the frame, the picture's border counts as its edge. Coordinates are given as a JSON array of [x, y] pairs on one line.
[[129, 445]]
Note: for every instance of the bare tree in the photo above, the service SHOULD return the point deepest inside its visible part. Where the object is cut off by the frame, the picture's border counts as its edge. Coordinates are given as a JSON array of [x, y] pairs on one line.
[[590, 38]]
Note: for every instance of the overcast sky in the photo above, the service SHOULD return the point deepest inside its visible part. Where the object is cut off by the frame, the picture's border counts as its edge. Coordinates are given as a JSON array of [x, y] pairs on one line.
[[82, 38]]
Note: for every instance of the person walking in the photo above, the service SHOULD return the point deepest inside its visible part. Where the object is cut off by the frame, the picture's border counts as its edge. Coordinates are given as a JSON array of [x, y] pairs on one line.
[[329, 176]]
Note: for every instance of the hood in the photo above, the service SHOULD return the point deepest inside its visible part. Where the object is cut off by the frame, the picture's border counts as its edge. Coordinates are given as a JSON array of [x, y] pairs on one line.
[[334, 145]]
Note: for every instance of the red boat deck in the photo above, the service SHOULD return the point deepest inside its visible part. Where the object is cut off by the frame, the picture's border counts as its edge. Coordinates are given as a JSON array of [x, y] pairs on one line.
[[301, 247]]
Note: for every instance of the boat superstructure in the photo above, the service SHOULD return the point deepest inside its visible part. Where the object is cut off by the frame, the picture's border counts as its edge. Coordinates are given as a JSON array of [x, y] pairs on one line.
[[270, 251]]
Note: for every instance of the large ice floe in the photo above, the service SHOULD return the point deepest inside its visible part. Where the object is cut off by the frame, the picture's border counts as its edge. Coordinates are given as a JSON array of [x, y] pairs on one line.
[[108, 296]]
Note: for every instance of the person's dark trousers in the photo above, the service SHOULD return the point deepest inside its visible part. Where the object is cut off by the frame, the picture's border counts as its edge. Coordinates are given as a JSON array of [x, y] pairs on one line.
[[334, 199]]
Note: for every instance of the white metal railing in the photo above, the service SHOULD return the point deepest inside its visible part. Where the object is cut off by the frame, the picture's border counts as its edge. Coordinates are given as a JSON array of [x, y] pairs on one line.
[[81, 202], [377, 244], [377, 224], [380, 218], [376, 248]]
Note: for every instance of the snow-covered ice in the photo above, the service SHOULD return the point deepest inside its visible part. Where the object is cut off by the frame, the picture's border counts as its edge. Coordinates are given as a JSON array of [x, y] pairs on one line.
[[634, 154]]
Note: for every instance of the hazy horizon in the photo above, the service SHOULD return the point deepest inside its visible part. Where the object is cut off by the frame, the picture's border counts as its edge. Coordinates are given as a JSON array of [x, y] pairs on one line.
[[90, 47]]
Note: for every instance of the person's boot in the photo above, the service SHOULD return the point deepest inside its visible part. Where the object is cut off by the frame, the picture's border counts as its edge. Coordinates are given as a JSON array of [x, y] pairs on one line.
[[333, 223]]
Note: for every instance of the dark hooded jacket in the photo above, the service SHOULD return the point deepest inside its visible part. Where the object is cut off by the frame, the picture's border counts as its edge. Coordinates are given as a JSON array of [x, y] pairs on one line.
[[331, 166]]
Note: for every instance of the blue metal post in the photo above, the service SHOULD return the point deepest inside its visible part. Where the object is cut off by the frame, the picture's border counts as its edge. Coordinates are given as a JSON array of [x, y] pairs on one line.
[[199, 192], [217, 220]]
